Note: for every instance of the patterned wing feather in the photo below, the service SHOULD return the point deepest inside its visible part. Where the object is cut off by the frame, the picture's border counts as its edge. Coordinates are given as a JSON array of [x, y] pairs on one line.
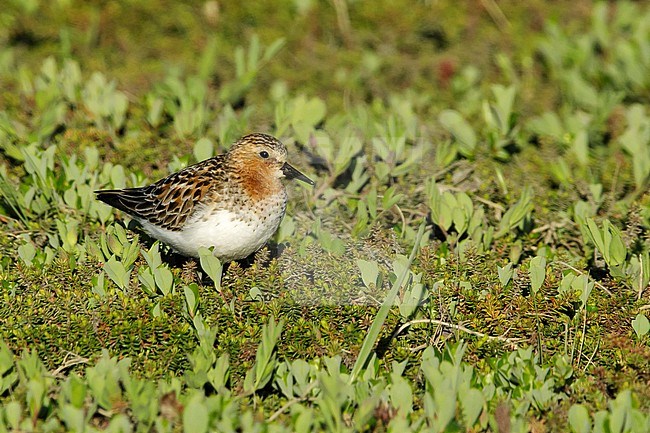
[[169, 202]]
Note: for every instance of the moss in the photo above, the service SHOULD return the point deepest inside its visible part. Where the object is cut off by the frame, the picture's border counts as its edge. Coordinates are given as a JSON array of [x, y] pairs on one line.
[[53, 311]]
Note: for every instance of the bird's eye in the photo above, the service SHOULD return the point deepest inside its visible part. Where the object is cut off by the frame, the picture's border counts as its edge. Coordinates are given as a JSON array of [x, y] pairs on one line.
[[264, 154]]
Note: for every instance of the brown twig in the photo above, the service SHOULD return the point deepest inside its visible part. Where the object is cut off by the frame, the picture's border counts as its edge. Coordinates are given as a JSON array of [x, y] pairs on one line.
[[70, 360], [512, 341]]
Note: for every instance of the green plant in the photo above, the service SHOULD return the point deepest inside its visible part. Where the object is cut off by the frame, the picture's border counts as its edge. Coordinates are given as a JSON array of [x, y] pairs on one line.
[[609, 243], [636, 142], [514, 307], [375, 328], [248, 64], [106, 104], [462, 132], [641, 325]]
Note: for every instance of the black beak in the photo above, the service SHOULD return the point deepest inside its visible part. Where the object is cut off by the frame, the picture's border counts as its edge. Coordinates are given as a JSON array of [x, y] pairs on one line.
[[292, 173]]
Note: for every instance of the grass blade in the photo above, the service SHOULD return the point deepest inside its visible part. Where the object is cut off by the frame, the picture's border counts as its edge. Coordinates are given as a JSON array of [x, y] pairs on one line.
[[382, 314]]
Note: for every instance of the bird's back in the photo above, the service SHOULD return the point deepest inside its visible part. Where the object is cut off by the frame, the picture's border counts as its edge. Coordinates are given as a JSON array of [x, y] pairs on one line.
[[169, 202]]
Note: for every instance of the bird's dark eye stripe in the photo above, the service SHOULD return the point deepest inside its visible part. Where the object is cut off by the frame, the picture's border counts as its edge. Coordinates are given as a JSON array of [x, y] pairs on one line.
[[264, 154]]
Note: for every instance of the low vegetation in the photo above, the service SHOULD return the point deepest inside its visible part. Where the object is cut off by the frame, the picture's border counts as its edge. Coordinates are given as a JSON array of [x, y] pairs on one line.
[[474, 257]]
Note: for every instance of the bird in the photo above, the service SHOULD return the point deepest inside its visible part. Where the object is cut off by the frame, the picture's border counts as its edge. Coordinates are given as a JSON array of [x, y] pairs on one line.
[[233, 202]]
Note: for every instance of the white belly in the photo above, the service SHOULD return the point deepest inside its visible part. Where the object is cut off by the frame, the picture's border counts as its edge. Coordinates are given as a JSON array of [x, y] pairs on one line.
[[231, 237]]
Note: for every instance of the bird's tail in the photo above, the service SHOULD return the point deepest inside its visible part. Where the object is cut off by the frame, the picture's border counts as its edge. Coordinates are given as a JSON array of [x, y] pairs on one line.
[[125, 200]]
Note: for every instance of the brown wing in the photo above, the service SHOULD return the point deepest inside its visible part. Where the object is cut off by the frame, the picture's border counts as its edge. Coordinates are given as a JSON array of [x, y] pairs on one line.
[[170, 201]]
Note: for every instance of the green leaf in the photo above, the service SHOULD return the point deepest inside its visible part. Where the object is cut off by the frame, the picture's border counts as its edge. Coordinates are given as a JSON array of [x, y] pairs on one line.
[[642, 277], [517, 213], [8, 376], [595, 235], [164, 279], [119, 423], [156, 311], [414, 296], [311, 111], [582, 286], [147, 280], [256, 294], [460, 220], [191, 292], [462, 131], [118, 177], [27, 252], [286, 230], [331, 243], [580, 147], [116, 272], [471, 403], [78, 391], [99, 284], [501, 112], [566, 283], [35, 396], [579, 419], [73, 417], [208, 59], [155, 107], [262, 372], [401, 395], [131, 253], [195, 415], [13, 413], [537, 273], [152, 256], [219, 374], [446, 401], [273, 49], [641, 325], [344, 155], [446, 210], [617, 251], [303, 419], [505, 274], [211, 265], [391, 198], [369, 272], [203, 149], [619, 412], [608, 242]]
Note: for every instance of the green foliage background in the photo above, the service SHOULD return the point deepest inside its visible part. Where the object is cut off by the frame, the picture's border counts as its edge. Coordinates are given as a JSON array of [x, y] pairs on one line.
[[474, 256]]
